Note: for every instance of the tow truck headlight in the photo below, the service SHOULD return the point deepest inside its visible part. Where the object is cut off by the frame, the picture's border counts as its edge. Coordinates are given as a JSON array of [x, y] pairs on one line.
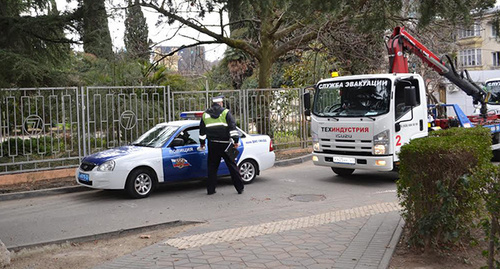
[[316, 146], [107, 166], [381, 143], [315, 142]]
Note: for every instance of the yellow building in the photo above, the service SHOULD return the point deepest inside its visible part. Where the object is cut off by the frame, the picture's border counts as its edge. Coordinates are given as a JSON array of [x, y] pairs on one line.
[[170, 62], [478, 44]]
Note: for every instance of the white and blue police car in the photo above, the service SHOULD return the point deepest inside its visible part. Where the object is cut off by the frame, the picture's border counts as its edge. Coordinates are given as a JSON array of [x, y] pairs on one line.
[[166, 153]]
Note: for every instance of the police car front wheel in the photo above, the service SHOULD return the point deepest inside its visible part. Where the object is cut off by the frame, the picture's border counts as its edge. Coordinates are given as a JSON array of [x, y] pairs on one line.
[[248, 171], [140, 183]]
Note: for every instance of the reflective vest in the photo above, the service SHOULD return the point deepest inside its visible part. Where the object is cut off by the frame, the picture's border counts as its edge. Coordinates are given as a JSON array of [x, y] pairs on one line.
[[211, 122]]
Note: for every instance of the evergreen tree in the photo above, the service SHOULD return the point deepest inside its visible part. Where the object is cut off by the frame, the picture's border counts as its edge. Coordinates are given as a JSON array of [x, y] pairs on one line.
[[33, 46], [95, 30], [136, 32]]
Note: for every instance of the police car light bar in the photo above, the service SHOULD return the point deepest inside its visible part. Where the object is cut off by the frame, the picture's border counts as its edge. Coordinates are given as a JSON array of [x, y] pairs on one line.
[[192, 114]]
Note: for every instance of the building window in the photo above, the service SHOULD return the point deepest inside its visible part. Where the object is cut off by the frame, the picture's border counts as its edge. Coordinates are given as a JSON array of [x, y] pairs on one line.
[[473, 30], [496, 58], [470, 57], [494, 30]]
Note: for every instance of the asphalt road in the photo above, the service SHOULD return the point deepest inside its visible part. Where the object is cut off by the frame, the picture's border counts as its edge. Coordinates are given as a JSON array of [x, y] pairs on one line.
[[300, 188]]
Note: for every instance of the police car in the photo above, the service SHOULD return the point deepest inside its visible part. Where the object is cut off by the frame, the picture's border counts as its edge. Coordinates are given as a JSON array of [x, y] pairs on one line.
[[166, 153]]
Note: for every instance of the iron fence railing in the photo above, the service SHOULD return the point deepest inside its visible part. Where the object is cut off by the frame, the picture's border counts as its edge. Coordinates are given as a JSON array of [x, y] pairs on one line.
[[53, 128]]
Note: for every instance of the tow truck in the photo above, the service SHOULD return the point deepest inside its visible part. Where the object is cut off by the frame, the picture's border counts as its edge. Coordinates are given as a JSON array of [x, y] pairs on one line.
[[361, 121]]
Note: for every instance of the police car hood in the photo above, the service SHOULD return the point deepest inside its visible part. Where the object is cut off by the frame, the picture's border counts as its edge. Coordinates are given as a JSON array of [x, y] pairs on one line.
[[115, 153], [215, 111]]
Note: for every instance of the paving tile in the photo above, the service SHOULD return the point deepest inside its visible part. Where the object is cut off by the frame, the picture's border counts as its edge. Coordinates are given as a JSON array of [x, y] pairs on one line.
[[347, 238]]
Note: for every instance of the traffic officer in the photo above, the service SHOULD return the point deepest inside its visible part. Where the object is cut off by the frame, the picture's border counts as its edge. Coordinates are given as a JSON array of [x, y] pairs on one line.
[[219, 127]]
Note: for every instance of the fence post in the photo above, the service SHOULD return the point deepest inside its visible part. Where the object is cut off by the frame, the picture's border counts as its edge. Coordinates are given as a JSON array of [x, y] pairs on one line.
[[166, 102], [303, 122], [84, 122], [207, 103]]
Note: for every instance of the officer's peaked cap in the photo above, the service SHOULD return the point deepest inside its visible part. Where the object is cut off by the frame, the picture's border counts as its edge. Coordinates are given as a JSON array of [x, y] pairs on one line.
[[218, 99]]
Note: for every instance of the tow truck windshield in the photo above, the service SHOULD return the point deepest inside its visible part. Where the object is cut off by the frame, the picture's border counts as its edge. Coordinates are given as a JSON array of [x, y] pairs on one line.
[[494, 88], [352, 98]]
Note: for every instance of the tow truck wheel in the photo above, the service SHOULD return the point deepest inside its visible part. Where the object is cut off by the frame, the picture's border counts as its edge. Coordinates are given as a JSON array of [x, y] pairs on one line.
[[343, 171], [140, 183], [248, 171]]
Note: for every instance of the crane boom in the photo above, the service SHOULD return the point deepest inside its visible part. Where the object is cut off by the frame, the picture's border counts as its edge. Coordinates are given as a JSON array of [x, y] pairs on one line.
[[401, 41]]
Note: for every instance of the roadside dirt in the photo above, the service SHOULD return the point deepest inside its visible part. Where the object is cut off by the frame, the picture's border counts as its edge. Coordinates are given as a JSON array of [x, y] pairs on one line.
[[38, 185], [291, 153], [89, 254], [464, 257]]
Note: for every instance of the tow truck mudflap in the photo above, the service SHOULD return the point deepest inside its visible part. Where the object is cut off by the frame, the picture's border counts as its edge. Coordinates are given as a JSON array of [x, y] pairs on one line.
[[376, 163]]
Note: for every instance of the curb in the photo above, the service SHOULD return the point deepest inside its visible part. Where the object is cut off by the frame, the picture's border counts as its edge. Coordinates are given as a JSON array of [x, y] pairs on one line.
[[386, 259], [38, 193], [107, 235], [71, 189], [293, 161]]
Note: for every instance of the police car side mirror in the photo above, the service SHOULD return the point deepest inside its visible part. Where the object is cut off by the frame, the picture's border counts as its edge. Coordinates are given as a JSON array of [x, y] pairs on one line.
[[177, 142]]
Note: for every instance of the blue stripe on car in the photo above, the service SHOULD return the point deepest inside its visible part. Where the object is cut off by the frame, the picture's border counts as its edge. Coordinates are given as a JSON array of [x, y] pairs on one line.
[[110, 154]]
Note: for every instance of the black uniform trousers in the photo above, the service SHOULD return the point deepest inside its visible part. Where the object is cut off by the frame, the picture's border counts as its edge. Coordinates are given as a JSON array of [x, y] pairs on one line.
[[216, 151]]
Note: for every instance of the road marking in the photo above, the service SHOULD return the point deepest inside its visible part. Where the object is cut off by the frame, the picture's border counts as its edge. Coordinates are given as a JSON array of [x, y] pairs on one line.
[[234, 234], [387, 191]]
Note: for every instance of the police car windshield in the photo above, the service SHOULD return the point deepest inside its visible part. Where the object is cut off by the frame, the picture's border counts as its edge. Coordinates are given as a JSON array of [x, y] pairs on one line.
[[156, 137], [494, 88], [352, 98]]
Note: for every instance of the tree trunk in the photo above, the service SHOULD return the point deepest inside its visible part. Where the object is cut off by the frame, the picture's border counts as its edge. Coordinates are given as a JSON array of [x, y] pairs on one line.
[[265, 64], [491, 247]]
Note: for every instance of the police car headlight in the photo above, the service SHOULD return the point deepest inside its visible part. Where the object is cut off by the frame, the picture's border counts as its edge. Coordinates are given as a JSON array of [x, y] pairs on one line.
[[381, 143], [107, 166]]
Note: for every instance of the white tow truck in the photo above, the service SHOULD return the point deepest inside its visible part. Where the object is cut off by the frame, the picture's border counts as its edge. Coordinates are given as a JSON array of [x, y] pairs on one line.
[[361, 121]]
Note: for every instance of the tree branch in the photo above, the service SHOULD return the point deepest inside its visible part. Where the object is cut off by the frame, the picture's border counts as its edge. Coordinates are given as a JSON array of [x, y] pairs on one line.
[[219, 38], [280, 34], [174, 51], [295, 42]]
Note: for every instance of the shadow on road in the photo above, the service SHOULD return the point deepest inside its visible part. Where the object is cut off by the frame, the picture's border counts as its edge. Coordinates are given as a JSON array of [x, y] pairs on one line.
[[368, 178]]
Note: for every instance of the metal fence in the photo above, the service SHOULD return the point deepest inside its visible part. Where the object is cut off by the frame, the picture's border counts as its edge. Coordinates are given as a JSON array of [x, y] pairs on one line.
[[52, 128]]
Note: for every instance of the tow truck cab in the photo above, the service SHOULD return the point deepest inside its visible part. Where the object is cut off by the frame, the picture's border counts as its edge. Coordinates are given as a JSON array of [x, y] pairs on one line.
[[493, 87], [361, 122]]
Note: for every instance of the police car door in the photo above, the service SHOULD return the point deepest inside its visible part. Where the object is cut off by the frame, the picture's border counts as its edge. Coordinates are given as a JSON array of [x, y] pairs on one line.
[[185, 161]]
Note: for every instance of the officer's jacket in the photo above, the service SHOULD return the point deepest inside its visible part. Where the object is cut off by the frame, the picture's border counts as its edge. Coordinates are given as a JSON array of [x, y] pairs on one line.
[[218, 124]]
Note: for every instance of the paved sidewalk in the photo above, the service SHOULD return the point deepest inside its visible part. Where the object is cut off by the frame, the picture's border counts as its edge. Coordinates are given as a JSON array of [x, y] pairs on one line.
[[362, 237]]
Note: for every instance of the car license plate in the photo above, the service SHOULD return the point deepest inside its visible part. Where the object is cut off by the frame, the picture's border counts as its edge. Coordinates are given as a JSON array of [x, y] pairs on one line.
[[344, 160], [83, 177]]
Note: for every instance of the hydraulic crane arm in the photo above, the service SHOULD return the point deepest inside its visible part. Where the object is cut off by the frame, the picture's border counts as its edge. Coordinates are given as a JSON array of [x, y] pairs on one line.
[[401, 41]]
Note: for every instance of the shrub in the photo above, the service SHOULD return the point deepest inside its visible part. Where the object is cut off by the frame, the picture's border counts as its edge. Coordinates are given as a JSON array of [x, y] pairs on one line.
[[437, 196], [489, 177]]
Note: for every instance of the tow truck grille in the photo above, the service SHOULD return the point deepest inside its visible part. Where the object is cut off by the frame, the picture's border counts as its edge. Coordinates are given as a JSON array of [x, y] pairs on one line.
[[349, 146], [354, 153]]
